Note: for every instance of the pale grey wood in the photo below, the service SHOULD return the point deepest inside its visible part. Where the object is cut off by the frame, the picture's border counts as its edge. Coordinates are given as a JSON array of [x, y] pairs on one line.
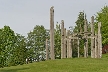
[[92, 39], [62, 39], [96, 47], [64, 43], [52, 33], [87, 47], [70, 48], [99, 41], [68, 31], [85, 35], [85, 30], [78, 48]]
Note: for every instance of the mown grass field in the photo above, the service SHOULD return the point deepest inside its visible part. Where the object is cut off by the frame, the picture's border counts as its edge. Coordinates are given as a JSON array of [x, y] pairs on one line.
[[63, 65]]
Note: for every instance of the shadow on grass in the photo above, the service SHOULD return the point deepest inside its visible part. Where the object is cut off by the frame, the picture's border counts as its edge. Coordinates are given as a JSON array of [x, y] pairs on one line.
[[13, 70]]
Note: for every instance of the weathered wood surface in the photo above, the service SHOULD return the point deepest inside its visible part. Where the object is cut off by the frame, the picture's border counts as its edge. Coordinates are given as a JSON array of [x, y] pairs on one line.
[[65, 43], [86, 39], [68, 33], [92, 39], [78, 48], [62, 39], [99, 41], [52, 33]]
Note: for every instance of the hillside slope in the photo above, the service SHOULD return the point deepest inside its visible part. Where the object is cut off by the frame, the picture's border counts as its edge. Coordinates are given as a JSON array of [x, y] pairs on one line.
[[63, 65]]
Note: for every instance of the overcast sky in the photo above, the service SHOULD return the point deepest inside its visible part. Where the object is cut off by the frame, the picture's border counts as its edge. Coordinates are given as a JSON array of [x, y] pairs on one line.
[[23, 15]]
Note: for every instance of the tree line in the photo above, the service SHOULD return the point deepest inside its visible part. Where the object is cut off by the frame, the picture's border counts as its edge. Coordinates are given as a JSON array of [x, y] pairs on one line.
[[15, 48]]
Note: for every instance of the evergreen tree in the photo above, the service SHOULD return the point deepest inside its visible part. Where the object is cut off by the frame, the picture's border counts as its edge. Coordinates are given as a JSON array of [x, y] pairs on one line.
[[79, 28]]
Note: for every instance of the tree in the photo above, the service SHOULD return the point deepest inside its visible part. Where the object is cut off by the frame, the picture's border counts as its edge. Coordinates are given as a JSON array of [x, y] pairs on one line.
[[12, 48], [57, 39], [79, 28], [102, 16], [20, 50], [7, 39], [79, 23], [36, 41]]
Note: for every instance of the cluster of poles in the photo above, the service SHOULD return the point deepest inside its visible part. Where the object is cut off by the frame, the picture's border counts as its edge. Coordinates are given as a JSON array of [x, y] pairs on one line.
[[67, 40]]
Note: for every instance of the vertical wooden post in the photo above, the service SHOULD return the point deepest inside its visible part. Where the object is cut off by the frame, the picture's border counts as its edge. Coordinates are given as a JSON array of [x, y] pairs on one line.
[[62, 39], [70, 47], [64, 43], [47, 52], [78, 47], [92, 39], [52, 32], [84, 49], [68, 33], [87, 47], [73, 41], [99, 41], [85, 35], [96, 47]]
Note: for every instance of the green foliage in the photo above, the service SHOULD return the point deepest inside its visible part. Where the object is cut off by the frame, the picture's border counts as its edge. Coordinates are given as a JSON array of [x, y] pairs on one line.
[[12, 48], [79, 23], [7, 39], [36, 41], [78, 29], [102, 16], [15, 48], [19, 52], [57, 39]]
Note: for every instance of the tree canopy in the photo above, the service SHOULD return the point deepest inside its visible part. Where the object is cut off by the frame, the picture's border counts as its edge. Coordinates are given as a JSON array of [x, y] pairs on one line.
[[102, 16]]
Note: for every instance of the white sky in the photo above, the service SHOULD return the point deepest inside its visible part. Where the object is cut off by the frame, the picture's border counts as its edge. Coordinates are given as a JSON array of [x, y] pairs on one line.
[[23, 15]]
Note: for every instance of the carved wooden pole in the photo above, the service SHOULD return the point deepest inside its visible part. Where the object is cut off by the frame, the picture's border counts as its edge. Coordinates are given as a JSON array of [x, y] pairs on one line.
[[96, 47], [62, 39], [52, 32], [92, 39], [99, 41], [68, 33], [64, 43], [70, 47], [87, 47], [85, 35], [47, 52], [78, 47], [73, 40]]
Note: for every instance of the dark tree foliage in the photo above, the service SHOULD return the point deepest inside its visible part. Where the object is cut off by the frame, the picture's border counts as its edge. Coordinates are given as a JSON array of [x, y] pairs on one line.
[[79, 28]]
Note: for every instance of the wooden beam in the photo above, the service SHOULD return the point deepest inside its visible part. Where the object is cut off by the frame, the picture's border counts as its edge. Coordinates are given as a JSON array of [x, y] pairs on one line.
[[68, 33], [85, 35], [78, 48], [99, 41], [70, 48], [62, 39], [64, 43], [92, 40], [96, 47], [52, 33]]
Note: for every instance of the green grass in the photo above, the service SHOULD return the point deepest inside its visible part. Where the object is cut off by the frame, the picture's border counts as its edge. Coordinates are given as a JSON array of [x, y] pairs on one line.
[[63, 65]]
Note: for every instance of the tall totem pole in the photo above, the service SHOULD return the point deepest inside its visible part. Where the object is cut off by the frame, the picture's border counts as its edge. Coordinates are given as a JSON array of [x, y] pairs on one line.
[[52, 33]]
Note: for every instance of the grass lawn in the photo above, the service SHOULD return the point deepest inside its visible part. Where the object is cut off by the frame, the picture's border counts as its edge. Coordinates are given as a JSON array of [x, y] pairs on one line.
[[63, 65]]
